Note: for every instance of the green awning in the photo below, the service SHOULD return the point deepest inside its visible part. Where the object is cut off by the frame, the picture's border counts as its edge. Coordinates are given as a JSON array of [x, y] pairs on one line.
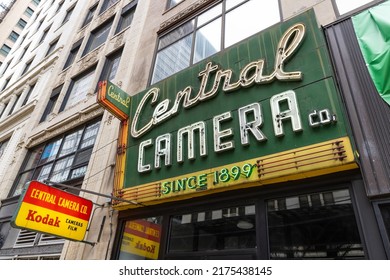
[[372, 28]]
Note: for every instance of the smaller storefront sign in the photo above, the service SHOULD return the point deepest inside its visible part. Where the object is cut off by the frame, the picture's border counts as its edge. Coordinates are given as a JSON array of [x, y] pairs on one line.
[[115, 100], [142, 239], [52, 211]]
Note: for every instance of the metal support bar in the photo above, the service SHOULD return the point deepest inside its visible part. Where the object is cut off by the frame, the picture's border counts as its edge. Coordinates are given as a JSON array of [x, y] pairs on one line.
[[92, 192]]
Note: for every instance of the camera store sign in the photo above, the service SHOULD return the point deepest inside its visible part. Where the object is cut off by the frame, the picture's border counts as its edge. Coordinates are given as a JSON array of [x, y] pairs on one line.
[[222, 123]]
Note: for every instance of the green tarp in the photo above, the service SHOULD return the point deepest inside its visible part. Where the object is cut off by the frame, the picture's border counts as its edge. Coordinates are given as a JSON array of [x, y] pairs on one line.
[[372, 28]]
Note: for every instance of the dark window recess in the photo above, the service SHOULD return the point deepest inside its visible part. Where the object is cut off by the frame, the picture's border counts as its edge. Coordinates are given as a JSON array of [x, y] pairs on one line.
[[62, 159], [214, 230], [126, 16], [27, 67], [107, 4], [110, 67], [73, 53], [98, 37], [316, 226], [51, 103], [52, 47], [27, 97], [89, 16], [68, 15]]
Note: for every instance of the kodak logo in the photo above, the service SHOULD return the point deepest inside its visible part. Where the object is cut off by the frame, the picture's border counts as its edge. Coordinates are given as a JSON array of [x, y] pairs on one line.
[[47, 220]]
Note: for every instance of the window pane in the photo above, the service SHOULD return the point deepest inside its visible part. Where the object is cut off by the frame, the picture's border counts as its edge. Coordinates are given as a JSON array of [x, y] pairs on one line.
[[239, 27], [209, 15], [3, 146], [61, 169], [125, 20], [23, 179], [232, 3], [149, 230], [176, 34], [221, 229], [98, 37], [78, 172], [71, 142], [90, 135], [345, 6], [83, 157], [208, 40], [34, 157], [173, 3], [80, 89], [318, 228], [42, 173], [50, 151], [172, 59]]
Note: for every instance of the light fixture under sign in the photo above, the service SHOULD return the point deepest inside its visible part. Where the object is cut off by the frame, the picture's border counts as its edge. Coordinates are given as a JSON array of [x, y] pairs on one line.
[[242, 224]]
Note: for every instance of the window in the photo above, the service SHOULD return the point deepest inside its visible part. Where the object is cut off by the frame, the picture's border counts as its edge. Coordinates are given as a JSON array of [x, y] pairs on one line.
[[6, 66], [21, 23], [29, 12], [24, 52], [6, 83], [13, 36], [60, 6], [11, 111], [36, 2], [98, 37], [3, 146], [89, 16], [126, 16], [27, 97], [68, 15], [73, 53], [40, 23], [27, 67], [347, 6], [5, 49], [51, 103], [111, 66], [202, 36], [314, 226], [172, 3], [216, 230], [62, 159], [78, 89], [107, 4], [44, 34], [52, 47]]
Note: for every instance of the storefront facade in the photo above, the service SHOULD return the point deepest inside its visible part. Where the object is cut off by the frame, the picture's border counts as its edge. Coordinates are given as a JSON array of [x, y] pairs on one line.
[[247, 155]]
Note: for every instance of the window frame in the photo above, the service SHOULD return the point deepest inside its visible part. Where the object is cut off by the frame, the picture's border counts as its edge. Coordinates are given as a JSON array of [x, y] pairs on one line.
[[90, 14], [192, 34], [127, 10], [13, 36], [68, 15], [52, 46], [71, 85], [106, 5], [90, 46], [58, 157], [21, 23], [73, 53], [5, 49], [107, 68], [51, 103], [27, 66]]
